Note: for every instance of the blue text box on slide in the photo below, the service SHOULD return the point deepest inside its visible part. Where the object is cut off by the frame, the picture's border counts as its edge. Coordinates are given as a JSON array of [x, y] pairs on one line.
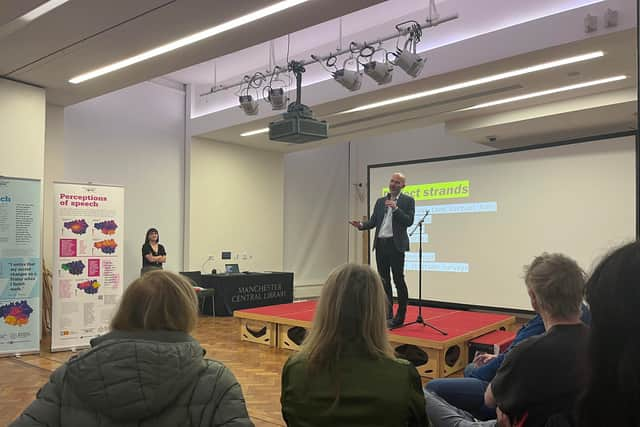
[[420, 211], [415, 238], [456, 208], [413, 256], [446, 267]]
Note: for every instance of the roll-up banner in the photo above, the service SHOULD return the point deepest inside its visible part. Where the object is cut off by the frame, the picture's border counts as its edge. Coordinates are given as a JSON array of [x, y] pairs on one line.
[[20, 266], [88, 262]]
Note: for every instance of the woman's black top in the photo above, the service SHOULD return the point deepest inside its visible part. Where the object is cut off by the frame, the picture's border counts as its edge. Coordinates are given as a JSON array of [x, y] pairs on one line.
[[147, 249]]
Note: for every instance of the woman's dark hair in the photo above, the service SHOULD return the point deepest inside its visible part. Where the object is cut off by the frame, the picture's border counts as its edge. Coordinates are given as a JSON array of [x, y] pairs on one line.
[[613, 293], [149, 231]]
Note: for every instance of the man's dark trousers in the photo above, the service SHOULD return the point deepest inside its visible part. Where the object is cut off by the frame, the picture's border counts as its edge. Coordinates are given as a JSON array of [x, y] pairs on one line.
[[390, 260]]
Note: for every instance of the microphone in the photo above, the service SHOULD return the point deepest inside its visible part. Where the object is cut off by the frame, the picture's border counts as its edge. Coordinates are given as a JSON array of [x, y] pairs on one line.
[[388, 196]]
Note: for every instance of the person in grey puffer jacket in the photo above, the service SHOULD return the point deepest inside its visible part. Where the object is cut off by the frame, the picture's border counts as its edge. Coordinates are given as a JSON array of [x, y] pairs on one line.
[[148, 371]]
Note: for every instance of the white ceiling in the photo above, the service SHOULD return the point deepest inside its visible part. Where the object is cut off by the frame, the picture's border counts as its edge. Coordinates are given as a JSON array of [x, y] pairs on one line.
[[475, 19], [489, 36], [600, 108], [302, 42], [82, 35]]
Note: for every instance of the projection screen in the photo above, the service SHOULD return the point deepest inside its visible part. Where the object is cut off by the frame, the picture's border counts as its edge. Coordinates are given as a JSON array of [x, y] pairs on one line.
[[490, 215]]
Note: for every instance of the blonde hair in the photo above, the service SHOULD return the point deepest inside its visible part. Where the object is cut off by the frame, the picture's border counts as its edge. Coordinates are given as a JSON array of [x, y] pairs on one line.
[[351, 311], [159, 300], [558, 284]]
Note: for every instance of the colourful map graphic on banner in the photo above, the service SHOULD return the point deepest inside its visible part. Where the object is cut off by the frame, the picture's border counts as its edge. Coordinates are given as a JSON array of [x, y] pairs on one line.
[[74, 267], [16, 313], [107, 227], [106, 246], [78, 226], [89, 287]]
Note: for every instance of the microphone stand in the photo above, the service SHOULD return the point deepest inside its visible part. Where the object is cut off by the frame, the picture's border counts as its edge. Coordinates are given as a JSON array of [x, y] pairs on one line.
[[419, 320]]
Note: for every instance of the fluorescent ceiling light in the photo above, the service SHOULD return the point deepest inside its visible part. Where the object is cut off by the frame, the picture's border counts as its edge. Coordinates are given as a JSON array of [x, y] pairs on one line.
[[41, 10], [480, 81], [22, 21], [194, 38], [255, 132], [545, 92]]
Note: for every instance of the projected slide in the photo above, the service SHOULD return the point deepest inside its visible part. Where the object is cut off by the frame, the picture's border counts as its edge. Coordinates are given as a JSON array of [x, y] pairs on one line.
[[490, 215]]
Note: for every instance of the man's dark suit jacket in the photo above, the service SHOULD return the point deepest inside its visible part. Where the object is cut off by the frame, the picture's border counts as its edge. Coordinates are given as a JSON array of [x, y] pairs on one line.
[[401, 219]]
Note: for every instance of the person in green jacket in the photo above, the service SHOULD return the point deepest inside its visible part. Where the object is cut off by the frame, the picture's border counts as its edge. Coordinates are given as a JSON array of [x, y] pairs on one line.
[[346, 373], [148, 371]]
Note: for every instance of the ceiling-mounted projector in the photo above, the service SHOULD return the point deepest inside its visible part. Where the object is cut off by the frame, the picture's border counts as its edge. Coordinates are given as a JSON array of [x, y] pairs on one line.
[[298, 124]]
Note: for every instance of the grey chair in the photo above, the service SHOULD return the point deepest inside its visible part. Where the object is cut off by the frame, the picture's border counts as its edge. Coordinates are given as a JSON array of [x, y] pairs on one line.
[[202, 298], [195, 277]]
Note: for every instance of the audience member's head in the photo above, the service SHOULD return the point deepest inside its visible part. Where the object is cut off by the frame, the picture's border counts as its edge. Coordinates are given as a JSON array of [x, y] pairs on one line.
[[351, 312], [152, 236], [613, 293], [146, 371], [159, 300], [555, 284]]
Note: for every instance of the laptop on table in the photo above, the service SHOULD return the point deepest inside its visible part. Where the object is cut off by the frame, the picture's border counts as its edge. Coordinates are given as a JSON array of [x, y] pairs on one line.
[[231, 268]]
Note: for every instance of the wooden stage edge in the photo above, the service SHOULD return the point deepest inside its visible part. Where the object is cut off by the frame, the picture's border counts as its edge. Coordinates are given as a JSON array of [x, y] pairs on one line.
[[432, 358]]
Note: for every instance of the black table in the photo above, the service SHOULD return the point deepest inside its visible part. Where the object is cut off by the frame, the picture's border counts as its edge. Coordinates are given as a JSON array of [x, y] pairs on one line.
[[247, 290]]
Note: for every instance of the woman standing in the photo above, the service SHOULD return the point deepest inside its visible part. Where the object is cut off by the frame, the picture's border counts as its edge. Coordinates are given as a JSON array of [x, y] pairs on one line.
[[346, 373], [153, 253]]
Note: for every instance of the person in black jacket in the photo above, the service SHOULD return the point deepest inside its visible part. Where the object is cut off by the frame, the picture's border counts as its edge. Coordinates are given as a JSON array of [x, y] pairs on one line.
[[612, 396], [391, 216]]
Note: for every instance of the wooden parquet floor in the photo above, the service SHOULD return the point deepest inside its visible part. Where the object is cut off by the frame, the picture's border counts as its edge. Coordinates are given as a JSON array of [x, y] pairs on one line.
[[256, 367]]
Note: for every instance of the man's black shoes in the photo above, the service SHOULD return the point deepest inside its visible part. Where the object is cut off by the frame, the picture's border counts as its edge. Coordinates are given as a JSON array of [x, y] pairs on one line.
[[394, 323]]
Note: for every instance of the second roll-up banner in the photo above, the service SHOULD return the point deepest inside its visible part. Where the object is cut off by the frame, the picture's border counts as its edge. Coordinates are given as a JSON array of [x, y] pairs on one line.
[[88, 261]]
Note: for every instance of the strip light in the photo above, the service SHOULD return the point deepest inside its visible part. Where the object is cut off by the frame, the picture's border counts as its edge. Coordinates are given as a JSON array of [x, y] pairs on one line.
[[255, 132], [480, 81], [41, 10], [545, 92], [194, 38], [22, 21]]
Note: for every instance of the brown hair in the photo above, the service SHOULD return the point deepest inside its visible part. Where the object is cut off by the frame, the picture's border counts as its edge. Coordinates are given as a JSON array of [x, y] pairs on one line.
[[159, 300], [558, 284], [351, 311]]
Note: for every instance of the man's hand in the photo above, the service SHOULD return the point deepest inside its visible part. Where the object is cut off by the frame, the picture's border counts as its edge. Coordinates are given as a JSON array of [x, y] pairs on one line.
[[502, 419], [483, 359], [390, 204], [356, 224]]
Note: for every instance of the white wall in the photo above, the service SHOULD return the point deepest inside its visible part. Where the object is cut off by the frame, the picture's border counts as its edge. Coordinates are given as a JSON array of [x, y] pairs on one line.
[[53, 171], [316, 205], [134, 137], [22, 124], [236, 204]]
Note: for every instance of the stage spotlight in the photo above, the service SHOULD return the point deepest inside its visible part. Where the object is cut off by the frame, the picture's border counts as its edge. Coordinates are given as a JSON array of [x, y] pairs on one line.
[[249, 106], [352, 80], [410, 62], [381, 72], [278, 99]]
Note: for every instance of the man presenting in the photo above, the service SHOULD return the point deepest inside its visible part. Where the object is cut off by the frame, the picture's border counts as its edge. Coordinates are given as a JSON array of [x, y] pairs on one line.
[[391, 216]]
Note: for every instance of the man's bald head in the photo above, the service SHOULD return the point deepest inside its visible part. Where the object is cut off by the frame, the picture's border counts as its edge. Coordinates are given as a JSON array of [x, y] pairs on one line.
[[397, 183], [400, 177]]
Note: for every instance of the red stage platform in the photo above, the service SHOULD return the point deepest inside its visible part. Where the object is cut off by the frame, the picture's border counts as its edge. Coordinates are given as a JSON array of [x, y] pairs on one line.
[[436, 355]]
